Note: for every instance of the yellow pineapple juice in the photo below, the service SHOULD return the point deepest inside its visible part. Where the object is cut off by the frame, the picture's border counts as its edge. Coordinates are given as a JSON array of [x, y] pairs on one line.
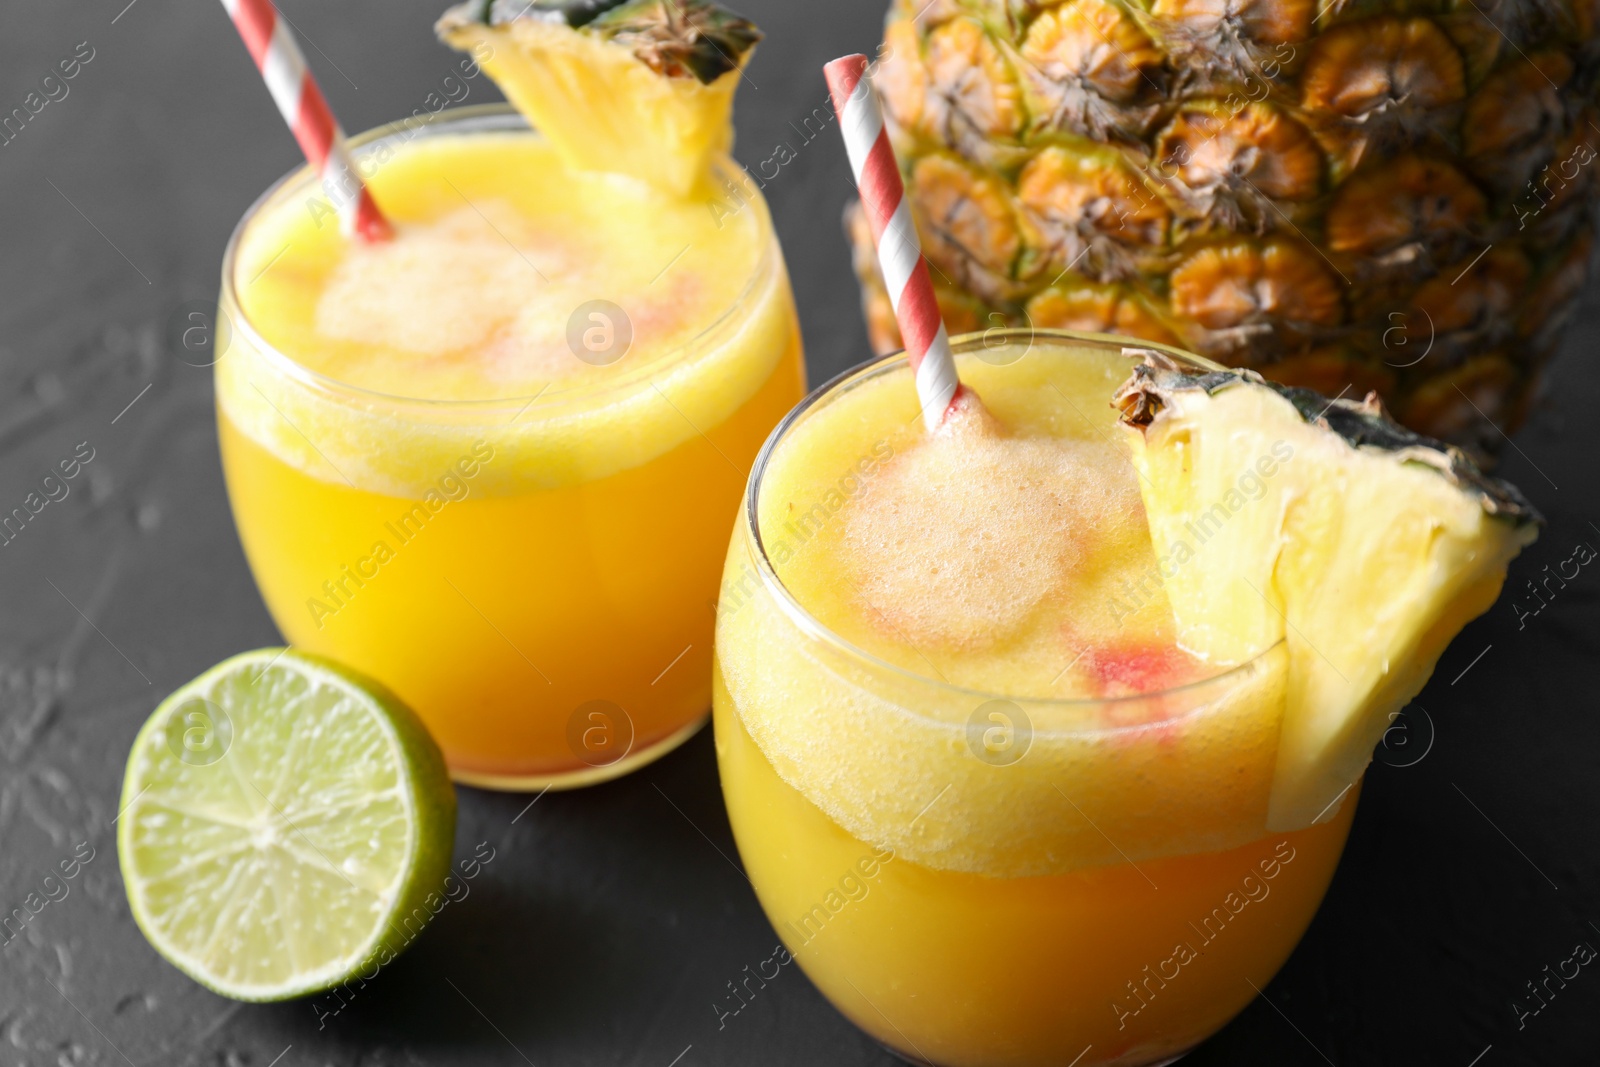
[[490, 462], [991, 807]]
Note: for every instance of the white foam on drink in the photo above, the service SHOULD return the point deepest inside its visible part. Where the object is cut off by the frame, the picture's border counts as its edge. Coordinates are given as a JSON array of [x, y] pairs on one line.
[[485, 297], [961, 539], [453, 285]]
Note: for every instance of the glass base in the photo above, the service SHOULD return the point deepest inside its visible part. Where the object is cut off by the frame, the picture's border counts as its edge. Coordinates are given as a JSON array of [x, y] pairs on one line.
[[534, 783], [914, 1062]]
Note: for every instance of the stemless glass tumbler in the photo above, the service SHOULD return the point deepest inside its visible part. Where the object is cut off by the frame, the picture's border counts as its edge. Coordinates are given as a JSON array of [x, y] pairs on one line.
[[979, 879], [535, 575]]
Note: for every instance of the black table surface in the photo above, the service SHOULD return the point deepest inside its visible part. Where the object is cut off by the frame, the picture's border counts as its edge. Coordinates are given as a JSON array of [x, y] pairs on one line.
[[607, 925]]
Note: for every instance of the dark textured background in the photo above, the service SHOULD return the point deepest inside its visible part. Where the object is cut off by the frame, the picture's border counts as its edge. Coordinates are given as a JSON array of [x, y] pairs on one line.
[[607, 925]]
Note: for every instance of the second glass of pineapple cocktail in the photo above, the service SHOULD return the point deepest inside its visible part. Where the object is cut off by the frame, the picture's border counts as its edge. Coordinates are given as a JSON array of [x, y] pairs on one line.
[[1041, 729], [993, 809]]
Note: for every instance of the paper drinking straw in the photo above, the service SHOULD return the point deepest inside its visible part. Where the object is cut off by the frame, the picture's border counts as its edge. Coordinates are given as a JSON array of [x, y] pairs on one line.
[[899, 251], [305, 109]]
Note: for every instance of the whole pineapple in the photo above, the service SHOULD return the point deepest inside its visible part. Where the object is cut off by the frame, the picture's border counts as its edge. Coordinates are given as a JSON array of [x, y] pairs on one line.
[[1389, 195]]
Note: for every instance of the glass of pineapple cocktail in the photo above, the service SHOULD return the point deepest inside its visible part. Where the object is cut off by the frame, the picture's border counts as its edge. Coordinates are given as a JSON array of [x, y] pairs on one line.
[[489, 462], [1001, 784]]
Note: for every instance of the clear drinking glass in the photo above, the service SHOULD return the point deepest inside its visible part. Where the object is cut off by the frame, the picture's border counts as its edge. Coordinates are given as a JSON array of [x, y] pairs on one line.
[[980, 879], [534, 575]]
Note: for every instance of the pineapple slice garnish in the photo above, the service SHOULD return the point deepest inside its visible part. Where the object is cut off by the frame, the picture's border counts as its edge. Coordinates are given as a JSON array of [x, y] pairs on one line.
[[1280, 515], [637, 87]]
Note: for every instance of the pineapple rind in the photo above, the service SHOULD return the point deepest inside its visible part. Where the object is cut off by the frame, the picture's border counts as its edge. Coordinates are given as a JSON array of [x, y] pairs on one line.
[[1363, 546], [1360, 424], [570, 12]]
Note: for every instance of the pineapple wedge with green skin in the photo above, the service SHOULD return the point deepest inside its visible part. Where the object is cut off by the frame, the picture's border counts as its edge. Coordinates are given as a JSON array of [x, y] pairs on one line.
[[643, 87], [1281, 515]]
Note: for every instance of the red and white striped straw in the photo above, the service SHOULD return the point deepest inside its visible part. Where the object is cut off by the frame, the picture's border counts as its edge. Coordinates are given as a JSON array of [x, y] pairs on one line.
[[305, 109], [899, 251]]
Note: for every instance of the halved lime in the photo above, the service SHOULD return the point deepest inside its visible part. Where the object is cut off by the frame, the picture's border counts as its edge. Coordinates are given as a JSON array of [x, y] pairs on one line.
[[286, 823]]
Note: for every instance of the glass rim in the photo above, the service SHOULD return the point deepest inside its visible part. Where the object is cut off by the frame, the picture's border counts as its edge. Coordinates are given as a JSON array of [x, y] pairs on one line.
[[853, 376], [487, 118]]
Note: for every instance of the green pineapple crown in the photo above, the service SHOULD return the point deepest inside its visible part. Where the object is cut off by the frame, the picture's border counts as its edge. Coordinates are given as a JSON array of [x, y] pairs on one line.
[[674, 38]]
